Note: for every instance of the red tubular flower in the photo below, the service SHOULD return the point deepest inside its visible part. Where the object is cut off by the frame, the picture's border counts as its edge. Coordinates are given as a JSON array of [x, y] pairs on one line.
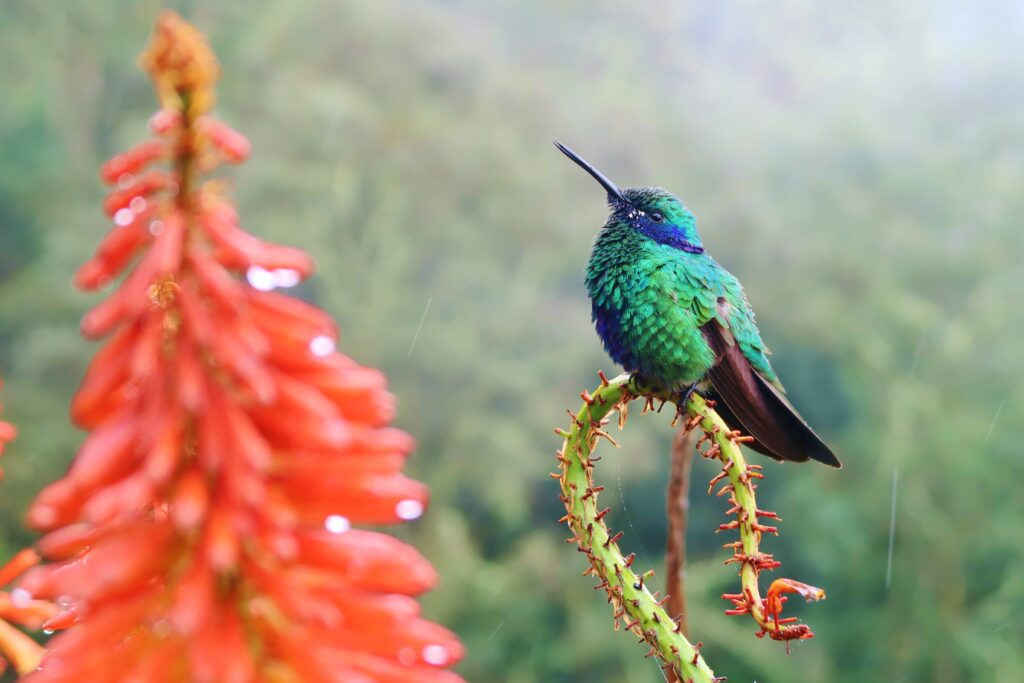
[[203, 531], [7, 432], [18, 606]]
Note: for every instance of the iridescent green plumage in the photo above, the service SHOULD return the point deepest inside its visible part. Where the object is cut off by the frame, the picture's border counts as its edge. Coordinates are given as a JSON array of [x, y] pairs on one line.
[[668, 312]]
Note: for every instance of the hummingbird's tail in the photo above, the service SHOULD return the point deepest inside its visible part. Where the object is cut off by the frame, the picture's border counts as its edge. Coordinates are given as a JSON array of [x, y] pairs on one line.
[[749, 402]]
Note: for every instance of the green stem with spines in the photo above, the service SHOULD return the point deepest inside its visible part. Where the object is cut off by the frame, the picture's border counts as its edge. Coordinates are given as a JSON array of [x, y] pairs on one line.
[[726, 448], [630, 598], [632, 601]]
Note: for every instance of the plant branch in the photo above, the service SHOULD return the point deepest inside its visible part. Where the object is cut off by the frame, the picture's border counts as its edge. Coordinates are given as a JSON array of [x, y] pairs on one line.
[[725, 447], [640, 611], [677, 507]]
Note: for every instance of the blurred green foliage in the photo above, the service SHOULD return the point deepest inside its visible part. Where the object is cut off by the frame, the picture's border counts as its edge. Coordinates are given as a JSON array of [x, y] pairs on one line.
[[859, 168]]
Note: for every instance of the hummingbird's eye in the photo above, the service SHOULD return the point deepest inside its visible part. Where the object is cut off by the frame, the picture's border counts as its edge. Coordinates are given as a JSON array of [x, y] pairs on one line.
[[657, 216]]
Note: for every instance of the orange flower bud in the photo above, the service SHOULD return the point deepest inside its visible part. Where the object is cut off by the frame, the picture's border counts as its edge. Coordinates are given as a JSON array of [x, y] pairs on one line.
[[222, 542], [368, 560], [235, 147], [165, 121], [191, 500], [135, 196], [132, 161]]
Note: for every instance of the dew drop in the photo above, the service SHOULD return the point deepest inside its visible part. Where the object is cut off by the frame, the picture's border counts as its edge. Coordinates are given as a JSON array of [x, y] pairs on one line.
[[435, 655], [321, 346], [21, 598], [162, 628], [409, 509], [47, 631], [156, 227], [260, 278], [124, 180], [137, 204], [337, 524], [286, 277], [123, 217]]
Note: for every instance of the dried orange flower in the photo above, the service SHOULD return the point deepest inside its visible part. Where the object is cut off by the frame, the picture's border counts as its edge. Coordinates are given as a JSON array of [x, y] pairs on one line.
[[182, 66]]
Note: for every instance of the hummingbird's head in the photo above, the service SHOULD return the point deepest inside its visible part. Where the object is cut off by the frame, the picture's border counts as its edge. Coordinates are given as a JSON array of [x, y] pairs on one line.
[[653, 212]]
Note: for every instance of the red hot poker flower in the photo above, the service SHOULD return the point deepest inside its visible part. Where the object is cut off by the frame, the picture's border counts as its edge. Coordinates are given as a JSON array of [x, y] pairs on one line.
[[203, 532], [7, 433], [18, 606]]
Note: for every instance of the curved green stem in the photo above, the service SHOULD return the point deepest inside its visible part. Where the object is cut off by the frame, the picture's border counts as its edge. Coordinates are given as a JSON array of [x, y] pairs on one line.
[[725, 447], [640, 611], [632, 602]]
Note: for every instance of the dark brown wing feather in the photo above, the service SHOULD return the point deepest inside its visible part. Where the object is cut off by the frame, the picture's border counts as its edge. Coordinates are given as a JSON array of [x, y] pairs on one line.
[[753, 404]]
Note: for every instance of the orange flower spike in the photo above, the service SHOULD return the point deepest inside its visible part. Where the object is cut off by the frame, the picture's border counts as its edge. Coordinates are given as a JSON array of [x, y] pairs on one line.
[[206, 519], [775, 599]]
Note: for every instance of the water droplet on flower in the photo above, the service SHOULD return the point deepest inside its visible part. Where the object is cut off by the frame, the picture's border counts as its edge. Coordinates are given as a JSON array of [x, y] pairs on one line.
[[337, 524], [406, 656], [137, 204], [47, 631], [435, 655], [409, 509], [286, 277], [337, 431], [162, 628], [260, 278], [124, 180], [321, 346], [21, 598], [155, 227], [124, 217]]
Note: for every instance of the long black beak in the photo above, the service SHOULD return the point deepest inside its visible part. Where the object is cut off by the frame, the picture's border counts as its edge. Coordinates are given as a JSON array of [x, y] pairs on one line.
[[615, 195]]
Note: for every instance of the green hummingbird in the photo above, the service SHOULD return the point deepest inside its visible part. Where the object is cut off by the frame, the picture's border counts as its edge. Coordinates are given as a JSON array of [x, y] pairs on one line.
[[667, 312]]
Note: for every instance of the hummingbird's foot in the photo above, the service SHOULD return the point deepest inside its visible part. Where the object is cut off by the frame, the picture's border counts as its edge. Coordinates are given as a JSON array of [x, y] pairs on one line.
[[681, 397]]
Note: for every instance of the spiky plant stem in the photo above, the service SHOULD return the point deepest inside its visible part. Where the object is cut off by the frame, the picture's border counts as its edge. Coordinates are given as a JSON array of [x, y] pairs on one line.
[[725, 447], [640, 611]]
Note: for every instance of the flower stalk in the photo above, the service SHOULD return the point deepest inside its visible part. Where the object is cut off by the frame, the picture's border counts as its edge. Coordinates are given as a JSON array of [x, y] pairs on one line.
[[640, 612], [634, 606], [723, 445]]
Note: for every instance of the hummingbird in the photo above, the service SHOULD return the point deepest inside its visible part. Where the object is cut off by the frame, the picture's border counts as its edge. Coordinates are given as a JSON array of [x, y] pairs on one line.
[[669, 314]]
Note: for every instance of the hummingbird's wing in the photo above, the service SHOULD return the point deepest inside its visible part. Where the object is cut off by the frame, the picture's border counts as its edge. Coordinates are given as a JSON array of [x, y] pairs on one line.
[[753, 401]]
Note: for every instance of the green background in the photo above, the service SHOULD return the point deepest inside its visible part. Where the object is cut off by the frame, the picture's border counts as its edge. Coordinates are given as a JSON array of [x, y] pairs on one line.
[[859, 169]]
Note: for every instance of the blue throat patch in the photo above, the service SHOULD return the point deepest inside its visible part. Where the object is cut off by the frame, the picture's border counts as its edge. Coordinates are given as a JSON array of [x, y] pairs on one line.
[[665, 233]]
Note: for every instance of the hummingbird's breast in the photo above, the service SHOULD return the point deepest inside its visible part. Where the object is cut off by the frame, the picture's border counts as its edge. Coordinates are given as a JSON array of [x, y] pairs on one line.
[[642, 307]]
